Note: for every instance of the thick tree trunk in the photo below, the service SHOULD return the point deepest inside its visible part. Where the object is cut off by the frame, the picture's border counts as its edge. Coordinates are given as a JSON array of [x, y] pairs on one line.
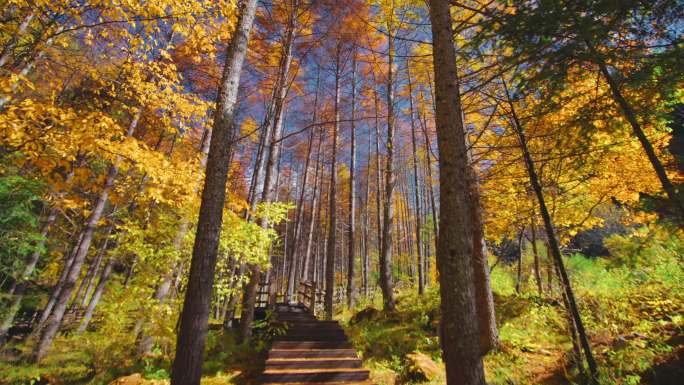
[[484, 300], [455, 253], [351, 231], [386, 283], [552, 241], [187, 366]]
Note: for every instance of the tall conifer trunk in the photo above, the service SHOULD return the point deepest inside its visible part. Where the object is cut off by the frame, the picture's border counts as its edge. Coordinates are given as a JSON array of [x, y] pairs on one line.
[[459, 325], [187, 365]]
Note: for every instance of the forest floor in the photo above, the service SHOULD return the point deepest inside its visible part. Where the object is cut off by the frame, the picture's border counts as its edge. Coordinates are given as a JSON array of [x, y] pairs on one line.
[[635, 322], [634, 317]]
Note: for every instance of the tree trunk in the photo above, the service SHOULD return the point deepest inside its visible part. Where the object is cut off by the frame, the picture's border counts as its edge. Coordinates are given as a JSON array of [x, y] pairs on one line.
[[314, 208], [459, 325], [421, 263], [96, 296], [386, 283], [520, 258], [54, 322], [332, 198], [351, 285], [81, 297], [300, 205], [56, 290], [19, 287], [378, 171], [553, 242], [268, 193], [187, 366], [535, 253], [630, 116]]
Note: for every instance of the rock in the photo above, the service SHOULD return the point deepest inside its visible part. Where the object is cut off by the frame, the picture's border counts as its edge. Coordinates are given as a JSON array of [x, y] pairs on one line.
[[369, 313], [421, 367], [136, 379], [133, 379]]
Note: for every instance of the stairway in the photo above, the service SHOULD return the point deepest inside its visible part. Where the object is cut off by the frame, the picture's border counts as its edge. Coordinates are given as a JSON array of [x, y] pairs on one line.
[[311, 352]]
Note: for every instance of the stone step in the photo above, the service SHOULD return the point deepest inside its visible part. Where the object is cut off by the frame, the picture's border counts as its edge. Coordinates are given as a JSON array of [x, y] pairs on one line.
[[311, 345], [311, 353], [315, 375], [344, 363], [335, 335]]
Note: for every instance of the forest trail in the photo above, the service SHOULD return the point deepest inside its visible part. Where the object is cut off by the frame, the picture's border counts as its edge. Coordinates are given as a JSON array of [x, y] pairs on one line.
[[311, 352]]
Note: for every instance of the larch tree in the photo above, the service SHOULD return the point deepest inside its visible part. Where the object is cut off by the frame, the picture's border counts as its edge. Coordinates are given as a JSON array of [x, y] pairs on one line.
[[187, 366]]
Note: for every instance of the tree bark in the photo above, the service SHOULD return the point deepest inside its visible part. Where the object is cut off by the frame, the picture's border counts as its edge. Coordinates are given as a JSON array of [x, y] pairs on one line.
[[332, 198], [351, 231], [386, 283], [421, 263], [459, 325], [187, 366]]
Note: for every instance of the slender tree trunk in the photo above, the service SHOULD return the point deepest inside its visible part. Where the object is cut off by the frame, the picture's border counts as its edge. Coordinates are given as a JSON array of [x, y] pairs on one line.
[[54, 322], [351, 234], [535, 253], [81, 297], [300, 205], [553, 243], [421, 263], [268, 193], [56, 290], [428, 174], [332, 198], [459, 326], [386, 283], [520, 258], [630, 116], [106, 271], [314, 208], [378, 171], [187, 366], [367, 222], [19, 287]]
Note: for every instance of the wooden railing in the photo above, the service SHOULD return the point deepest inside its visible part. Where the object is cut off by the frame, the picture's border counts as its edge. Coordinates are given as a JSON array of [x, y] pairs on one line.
[[307, 295]]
